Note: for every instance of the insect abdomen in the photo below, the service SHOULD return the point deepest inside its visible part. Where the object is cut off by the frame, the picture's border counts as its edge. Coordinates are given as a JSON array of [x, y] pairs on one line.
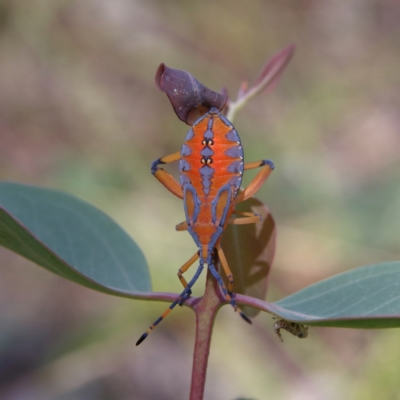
[[211, 168]]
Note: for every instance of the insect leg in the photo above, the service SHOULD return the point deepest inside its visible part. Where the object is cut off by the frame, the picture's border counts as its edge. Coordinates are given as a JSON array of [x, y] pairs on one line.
[[226, 268], [179, 300], [182, 226], [166, 178], [277, 330], [184, 268], [248, 218], [228, 297], [267, 167], [258, 164]]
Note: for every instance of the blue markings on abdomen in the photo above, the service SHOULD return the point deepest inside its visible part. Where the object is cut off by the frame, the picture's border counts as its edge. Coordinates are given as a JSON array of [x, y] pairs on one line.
[[235, 152], [214, 204], [184, 165], [191, 218], [186, 150], [236, 167], [207, 174], [207, 152], [208, 134], [233, 136]]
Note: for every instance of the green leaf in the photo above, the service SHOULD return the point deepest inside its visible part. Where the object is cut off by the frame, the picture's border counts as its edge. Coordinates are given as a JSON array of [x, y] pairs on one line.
[[366, 297], [72, 239], [249, 250]]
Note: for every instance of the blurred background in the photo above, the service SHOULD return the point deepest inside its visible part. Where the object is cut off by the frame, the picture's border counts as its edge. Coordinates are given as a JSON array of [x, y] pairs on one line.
[[79, 111]]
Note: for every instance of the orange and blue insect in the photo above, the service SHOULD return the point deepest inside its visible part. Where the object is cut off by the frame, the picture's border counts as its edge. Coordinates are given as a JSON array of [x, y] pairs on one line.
[[211, 168]]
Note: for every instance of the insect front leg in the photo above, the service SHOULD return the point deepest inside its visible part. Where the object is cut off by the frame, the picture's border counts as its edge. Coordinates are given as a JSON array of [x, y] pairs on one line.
[[166, 178], [267, 166]]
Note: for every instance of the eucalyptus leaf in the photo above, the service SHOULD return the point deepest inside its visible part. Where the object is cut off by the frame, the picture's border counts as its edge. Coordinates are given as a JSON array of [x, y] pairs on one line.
[[71, 238], [366, 297]]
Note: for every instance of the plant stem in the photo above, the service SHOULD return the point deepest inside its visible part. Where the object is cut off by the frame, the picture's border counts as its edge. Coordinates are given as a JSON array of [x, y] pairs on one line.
[[205, 310]]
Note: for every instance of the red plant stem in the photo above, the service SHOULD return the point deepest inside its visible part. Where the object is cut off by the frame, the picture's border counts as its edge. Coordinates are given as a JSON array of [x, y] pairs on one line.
[[205, 310]]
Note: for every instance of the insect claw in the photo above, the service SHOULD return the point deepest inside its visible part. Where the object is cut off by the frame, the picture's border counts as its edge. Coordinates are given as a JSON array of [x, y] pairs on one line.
[[246, 318], [155, 164], [268, 162], [185, 297], [144, 336]]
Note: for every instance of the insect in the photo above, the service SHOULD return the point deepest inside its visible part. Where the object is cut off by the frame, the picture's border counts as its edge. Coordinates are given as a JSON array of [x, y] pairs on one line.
[[211, 168], [296, 329]]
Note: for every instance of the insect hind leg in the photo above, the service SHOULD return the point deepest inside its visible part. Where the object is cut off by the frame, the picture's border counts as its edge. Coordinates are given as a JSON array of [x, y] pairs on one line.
[[228, 296], [188, 288], [159, 319], [183, 296], [184, 268]]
